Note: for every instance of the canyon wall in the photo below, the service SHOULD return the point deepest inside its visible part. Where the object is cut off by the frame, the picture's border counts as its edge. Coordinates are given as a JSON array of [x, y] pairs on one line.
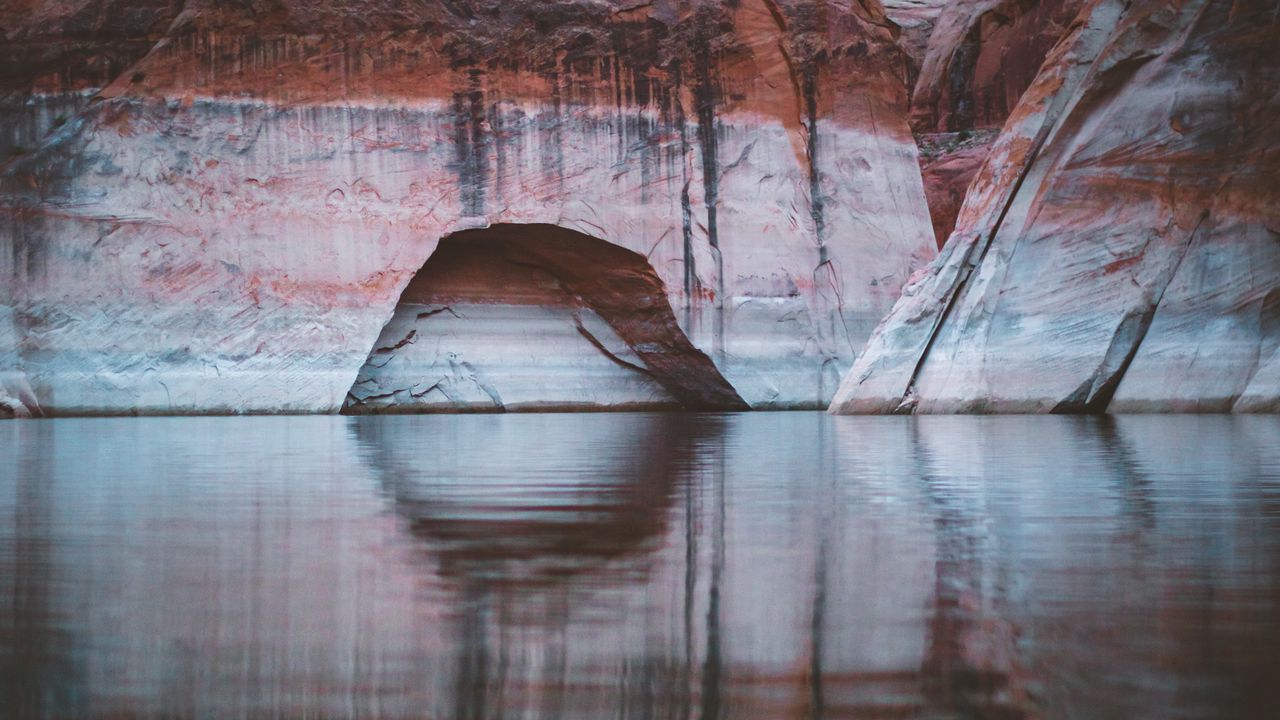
[[218, 207], [1118, 250], [236, 207]]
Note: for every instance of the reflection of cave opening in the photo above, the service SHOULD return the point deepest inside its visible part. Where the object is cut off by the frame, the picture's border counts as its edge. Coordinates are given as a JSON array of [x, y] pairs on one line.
[[535, 317], [529, 554]]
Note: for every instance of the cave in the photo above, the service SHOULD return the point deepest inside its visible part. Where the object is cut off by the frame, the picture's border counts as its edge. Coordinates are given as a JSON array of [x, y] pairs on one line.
[[535, 318]]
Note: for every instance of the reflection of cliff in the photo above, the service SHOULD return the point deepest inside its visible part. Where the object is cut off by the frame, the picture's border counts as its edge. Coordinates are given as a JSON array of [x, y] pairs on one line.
[[42, 673], [531, 565], [519, 521], [971, 665], [755, 566], [934, 567]]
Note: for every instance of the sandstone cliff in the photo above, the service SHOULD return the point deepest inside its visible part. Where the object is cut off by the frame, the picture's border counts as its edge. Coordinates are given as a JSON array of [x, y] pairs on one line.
[[217, 206], [1119, 249]]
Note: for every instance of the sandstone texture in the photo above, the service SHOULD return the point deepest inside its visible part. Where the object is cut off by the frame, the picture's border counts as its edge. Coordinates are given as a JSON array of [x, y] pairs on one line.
[[217, 207], [579, 323], [1120, 248]]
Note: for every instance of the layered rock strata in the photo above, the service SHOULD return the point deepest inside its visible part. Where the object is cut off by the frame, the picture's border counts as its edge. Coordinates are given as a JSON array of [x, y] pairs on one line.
[[229, 223], [1118, 250]]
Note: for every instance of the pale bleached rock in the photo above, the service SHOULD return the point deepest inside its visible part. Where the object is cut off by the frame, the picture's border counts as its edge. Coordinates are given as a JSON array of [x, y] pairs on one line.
[[1260, 395], [538, 356], [16, 398], [1117, 251]]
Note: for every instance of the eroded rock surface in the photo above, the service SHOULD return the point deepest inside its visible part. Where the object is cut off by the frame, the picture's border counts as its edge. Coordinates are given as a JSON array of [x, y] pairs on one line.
[[560, 319], [228, 224], [1118, 250], [916, 19]]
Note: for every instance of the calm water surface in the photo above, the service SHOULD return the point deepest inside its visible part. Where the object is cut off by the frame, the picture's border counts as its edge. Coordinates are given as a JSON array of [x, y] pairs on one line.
[[785, 565]]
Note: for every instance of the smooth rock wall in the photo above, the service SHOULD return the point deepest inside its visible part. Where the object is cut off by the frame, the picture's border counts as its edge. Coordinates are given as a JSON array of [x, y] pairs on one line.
[[1117, 252]]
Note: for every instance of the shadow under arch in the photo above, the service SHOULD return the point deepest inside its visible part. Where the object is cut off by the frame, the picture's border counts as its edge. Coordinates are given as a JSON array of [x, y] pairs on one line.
[[545, 305]]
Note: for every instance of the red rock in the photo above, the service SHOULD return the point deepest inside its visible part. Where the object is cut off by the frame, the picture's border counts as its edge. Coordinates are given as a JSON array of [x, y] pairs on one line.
[[982, 55]]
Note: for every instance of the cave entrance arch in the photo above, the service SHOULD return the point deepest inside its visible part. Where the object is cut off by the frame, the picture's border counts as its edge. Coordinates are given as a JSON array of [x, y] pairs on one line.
[[535, 317]]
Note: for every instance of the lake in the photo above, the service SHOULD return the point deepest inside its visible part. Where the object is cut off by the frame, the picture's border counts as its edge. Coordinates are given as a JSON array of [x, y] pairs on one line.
[[757, 565]]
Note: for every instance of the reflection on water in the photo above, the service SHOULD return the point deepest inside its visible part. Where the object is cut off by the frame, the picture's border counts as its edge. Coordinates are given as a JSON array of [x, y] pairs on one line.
[[641, 566]]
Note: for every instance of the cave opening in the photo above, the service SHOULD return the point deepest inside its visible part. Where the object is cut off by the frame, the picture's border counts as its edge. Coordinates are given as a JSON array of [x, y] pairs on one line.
[[535, 317]]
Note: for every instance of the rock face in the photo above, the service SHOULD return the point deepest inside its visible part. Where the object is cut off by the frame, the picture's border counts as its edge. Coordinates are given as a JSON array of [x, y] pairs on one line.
[[1119, 249], [916, 19], [216, 207]]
